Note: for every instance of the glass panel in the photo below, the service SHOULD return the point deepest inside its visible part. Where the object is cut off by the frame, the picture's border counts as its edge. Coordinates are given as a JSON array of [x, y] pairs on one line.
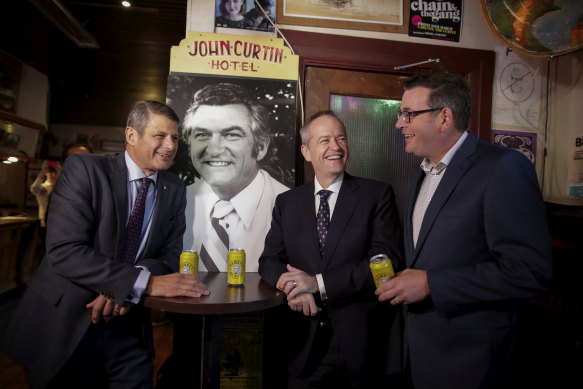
[[377, 148]]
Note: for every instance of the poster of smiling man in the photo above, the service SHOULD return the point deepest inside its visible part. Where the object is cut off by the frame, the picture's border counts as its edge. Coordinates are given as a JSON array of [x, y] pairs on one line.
[[236, 97]]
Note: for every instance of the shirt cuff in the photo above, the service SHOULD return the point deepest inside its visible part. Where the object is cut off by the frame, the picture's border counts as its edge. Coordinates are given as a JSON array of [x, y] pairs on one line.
[[321, 286], [139, 286]]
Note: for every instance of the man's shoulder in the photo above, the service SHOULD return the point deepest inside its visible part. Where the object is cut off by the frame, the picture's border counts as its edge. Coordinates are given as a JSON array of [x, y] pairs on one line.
[[170, 178]]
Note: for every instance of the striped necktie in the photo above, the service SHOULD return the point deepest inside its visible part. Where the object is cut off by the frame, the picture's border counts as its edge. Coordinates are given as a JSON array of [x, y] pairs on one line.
[[135, 223]]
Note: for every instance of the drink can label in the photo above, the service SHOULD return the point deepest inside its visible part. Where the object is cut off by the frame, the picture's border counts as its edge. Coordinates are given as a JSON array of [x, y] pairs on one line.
[[381, 268], [236, 267], [189, 262]]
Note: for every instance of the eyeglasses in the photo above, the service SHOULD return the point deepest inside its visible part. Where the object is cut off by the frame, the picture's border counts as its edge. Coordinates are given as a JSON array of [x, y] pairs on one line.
[[407, 115]]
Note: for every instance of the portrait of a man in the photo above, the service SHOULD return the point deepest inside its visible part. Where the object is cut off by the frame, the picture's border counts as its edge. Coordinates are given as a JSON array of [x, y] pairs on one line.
[[233, 167]]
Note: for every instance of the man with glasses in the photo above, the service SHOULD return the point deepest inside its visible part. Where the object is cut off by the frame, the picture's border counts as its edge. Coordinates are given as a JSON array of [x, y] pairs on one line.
[[476, 241]]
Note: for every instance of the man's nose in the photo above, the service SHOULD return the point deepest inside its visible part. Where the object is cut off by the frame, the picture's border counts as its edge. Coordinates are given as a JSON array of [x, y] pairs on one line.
[[215, 144]]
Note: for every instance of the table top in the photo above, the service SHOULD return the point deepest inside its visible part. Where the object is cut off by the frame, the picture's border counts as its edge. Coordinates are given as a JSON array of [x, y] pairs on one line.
[[256, 295]]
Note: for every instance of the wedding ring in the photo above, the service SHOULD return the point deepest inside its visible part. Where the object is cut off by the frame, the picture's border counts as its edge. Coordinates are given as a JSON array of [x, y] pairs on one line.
[[396, 300], [294, 284]]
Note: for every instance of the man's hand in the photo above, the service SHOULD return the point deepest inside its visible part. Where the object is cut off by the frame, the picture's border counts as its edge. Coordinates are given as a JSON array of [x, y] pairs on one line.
[[299, 286], [104, 307], [410, 286], [296, 282], [175, 285], [305, 304]]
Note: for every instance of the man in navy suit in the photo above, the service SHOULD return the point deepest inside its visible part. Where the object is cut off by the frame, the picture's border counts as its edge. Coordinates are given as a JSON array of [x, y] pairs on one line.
[[476, 241], [329, 286], [79, 323]]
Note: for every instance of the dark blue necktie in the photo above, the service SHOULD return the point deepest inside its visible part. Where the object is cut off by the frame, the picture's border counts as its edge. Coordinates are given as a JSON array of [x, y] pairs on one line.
[[323, 219], [134, 227]]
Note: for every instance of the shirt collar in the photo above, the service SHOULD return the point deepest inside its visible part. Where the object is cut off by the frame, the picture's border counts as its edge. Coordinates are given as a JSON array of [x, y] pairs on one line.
[[334, 187], [445, 161], [247, 201], [134, 171]]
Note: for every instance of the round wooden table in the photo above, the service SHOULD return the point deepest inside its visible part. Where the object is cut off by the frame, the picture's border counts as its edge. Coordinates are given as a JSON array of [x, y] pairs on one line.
[[198, 322]]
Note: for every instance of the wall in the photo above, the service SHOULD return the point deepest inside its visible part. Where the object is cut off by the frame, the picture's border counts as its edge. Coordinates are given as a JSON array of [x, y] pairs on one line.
[[33, 96], [566, 84]]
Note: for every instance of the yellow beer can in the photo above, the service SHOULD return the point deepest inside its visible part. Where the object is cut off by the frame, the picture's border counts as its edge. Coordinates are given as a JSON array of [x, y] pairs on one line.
[[189, 262], [381, 268], [236, 267]]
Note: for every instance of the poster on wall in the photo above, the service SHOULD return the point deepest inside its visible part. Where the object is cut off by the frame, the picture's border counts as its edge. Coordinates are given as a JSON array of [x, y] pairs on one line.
[[576, 168], [246, 14], [236, 97], [524, 142], [436, 19], [517, 90]]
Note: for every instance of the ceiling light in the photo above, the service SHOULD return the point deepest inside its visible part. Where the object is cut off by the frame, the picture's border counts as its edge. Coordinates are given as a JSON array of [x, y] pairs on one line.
[[126, 3], [13, 159]]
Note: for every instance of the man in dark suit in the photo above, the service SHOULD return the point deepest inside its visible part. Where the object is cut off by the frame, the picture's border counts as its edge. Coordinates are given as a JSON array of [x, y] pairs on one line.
[[476, 240], [326, 275], [79, 323]]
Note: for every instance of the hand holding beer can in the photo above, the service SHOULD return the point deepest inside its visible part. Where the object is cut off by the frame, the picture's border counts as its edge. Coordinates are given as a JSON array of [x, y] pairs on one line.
[[189, 262], [381, 268]]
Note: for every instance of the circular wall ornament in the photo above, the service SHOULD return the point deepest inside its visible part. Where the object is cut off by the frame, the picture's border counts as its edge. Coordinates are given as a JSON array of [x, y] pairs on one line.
[[537, 28]]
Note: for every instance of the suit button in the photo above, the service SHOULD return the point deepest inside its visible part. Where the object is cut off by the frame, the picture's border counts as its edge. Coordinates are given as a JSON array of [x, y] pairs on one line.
[[322, 323]]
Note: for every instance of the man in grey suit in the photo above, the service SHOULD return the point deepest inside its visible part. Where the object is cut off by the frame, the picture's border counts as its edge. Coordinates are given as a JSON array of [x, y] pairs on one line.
[[79, 323], [476, 241], [326, 275]]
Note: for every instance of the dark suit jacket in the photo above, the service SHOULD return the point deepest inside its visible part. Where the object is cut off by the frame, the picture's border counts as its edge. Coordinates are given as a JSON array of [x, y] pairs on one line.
[[89, 208], [484, 242], [365, 222]]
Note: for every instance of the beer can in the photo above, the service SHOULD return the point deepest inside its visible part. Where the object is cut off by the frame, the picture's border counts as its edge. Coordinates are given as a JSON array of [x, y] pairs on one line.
[[381, 268], [189, 262], [236, 267]]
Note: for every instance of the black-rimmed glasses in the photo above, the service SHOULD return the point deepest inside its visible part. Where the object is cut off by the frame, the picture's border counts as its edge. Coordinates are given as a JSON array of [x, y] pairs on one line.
[[407, 115]]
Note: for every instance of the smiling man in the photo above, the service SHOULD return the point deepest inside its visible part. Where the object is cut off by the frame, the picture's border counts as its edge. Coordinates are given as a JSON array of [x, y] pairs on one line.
[[114, 234], [230, 205], [317, 251]]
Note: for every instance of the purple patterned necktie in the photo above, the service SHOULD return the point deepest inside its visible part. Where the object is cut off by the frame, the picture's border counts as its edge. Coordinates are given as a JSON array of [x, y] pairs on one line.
[[323, 219], [134, 227]]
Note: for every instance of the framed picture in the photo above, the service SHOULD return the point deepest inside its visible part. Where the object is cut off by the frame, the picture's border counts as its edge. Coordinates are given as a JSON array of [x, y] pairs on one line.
[[9, 82], [113, 146], [372, 15], [245, 14]]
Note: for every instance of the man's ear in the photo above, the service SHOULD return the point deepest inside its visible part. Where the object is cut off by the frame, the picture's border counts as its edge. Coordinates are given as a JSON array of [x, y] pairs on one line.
[[131, 136], [306, 153], [447, 119], [262, 150]]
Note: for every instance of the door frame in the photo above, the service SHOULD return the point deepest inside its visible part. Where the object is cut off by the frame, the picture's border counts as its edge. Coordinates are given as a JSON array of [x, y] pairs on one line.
[[379, 55]]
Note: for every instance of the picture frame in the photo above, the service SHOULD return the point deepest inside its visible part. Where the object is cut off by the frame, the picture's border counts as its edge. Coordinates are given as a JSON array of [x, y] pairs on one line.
[[380, 15], [10, 71]]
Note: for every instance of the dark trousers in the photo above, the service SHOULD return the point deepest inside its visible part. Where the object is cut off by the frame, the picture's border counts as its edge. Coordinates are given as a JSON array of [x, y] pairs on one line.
[[110, 355], [326, 367]]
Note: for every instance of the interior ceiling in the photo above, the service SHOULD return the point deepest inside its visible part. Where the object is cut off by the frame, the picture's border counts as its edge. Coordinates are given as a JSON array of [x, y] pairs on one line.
[[96, 86]]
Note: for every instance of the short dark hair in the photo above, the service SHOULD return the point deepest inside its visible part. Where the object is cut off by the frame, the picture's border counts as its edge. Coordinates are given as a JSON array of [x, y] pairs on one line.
[[446, 90], [75, 146], [225, 94], [305, 130], [139, 116]]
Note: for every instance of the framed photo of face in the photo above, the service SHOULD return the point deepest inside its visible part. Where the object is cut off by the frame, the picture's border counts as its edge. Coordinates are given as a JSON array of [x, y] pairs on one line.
[[371, 15], [246, 14]]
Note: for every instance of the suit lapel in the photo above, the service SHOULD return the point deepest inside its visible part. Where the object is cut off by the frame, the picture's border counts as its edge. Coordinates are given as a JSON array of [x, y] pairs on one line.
[[119, 187], [306, 214], [414, 187], [453, 174], [345, 206]]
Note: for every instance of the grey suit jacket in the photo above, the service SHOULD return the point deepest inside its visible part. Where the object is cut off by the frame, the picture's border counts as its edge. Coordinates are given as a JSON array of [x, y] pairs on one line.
[[484, 243], [86, 223], [365, 222]]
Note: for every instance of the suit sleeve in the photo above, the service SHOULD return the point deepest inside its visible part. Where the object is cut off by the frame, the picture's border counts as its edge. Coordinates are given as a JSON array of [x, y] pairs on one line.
[[517, 261], [273, 260], [384, 237], [73, 235]]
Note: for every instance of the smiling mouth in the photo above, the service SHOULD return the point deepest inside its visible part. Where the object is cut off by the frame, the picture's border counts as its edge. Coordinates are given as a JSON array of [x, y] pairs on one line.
[[217, 163], [409, 136], [168, 155], [334, 157]]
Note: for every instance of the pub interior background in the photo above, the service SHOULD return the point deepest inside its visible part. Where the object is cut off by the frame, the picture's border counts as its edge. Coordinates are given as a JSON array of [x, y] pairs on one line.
[[81, 92]]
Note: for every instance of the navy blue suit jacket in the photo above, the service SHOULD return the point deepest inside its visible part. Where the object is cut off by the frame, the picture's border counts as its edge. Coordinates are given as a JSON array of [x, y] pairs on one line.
[[365, 222], [484, 243], [86, 224]]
